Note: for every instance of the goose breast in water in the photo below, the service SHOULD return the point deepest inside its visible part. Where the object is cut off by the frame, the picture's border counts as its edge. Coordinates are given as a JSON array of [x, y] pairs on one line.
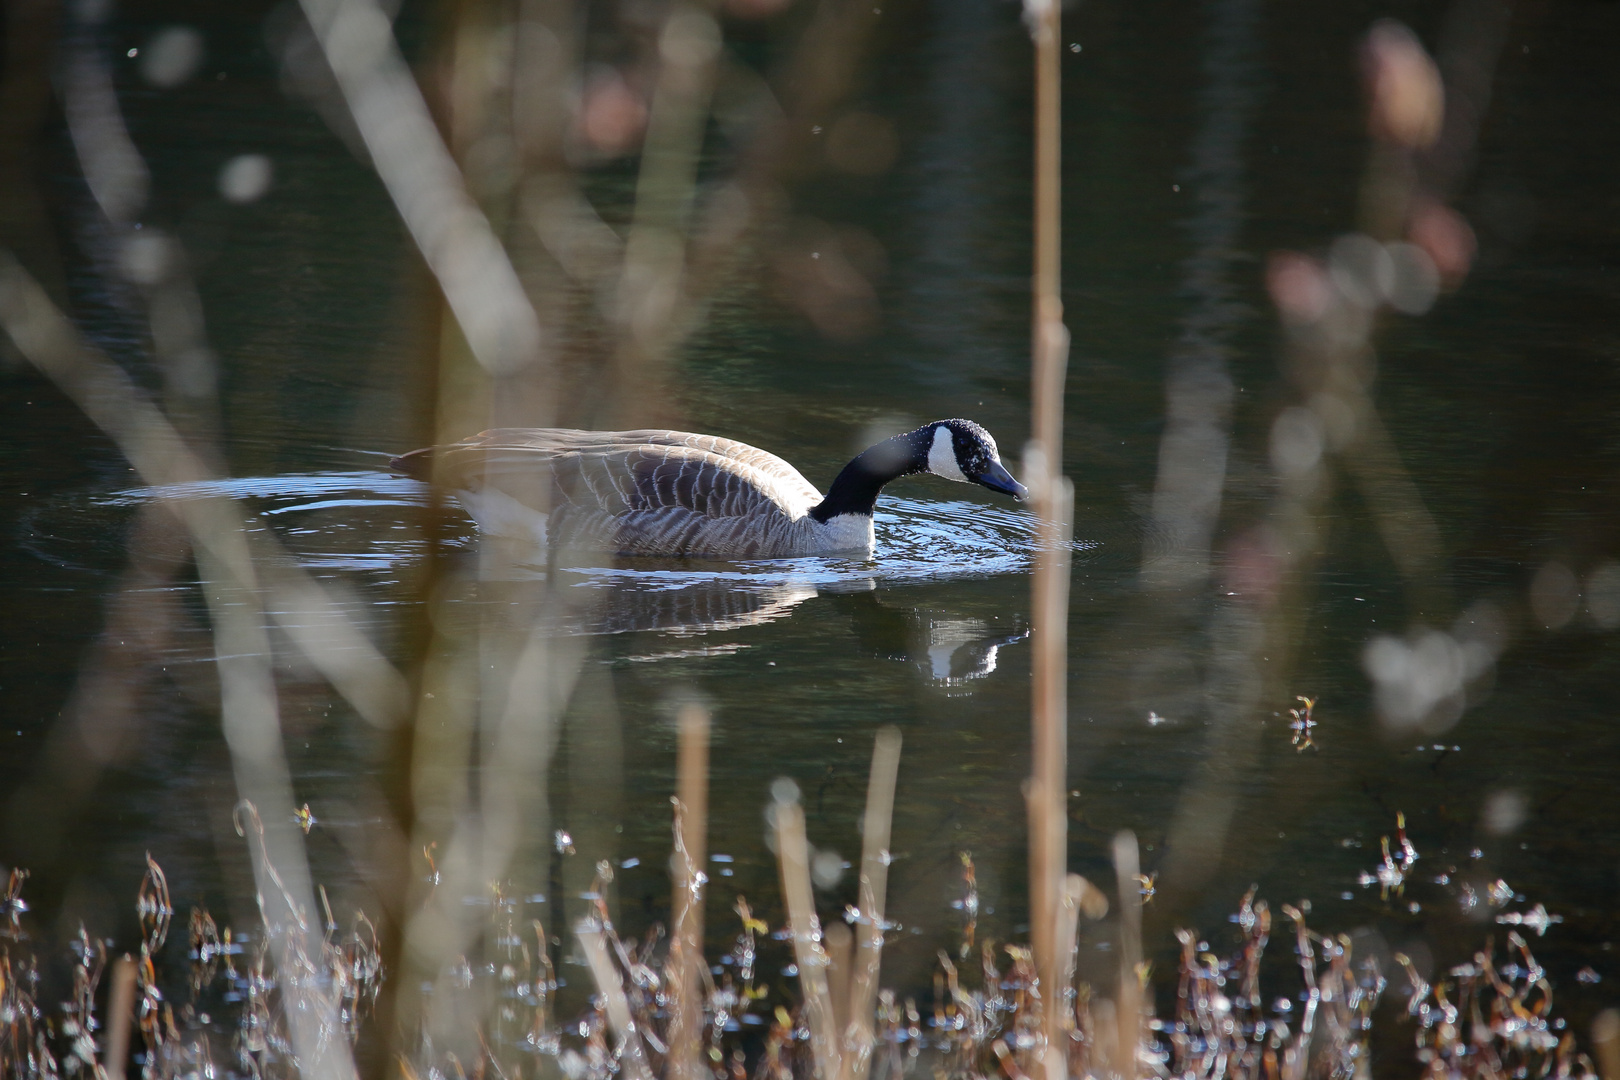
[[658, 492]]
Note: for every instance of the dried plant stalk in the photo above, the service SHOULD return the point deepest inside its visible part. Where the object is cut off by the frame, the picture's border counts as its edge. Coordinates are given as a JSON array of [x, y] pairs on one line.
[[1128, 869], [686, 943], [1047, 798], [1068, 930], [875, 833], [793, 856], [1606, 1040], [632, 1055], [1052, 497], [120, 1009]]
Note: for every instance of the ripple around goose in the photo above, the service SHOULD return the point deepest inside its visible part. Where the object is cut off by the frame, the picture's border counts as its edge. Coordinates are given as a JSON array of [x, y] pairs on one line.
[[676, 493], [363, 522]]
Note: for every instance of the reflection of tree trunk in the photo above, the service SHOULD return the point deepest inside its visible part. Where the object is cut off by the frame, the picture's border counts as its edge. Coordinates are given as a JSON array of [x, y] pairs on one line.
[[957, 292], [1192, 453], [1470, 46]]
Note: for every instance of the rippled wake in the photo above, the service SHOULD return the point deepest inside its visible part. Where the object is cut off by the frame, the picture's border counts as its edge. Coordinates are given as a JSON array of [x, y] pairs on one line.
[[916, 540], [365, 521]]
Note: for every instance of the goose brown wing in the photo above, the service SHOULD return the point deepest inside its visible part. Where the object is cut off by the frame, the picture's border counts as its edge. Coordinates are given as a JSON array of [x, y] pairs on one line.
[[631, 472], [776, 473]]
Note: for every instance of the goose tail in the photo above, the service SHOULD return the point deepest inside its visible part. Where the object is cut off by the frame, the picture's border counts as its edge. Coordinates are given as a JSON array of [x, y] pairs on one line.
[[418, 464]]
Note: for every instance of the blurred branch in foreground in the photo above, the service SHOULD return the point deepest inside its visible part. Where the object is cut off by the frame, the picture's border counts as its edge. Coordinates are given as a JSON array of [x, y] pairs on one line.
[[452, 233], [180, 441], [242, 649]]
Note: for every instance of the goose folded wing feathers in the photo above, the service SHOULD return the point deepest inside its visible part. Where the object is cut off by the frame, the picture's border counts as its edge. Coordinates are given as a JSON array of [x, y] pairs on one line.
[[631, 472]]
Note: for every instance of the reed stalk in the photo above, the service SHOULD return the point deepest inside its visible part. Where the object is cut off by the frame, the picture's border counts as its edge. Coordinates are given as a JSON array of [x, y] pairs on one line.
[[1068, 933], [1053, 498], [793, 856], [632, 1055], [1606, 1042], [839, 941], [1059, 1016], [686, 944], [875, 831], [456, 240], [120, 1011], [1128, 870]]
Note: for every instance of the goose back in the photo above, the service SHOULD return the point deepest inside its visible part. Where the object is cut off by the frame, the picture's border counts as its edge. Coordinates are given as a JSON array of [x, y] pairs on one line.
[[644, 492]]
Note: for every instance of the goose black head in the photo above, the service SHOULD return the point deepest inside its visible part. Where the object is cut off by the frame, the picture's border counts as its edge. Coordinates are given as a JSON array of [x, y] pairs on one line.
[[962, 450], [954, 449]]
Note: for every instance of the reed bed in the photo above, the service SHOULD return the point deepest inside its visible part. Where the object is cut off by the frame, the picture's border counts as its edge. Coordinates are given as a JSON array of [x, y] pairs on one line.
[[658, 1010], [224, 1015]]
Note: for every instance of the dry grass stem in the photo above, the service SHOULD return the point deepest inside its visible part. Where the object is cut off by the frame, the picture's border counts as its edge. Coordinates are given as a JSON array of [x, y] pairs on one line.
[[631, 1053], [793, 857], [1128, 870], [686, 915], [1606, 1041], [120, 1012], [869, 926], [1053, 500]]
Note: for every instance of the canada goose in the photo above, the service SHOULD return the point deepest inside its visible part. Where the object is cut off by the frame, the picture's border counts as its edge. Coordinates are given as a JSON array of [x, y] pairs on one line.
[[676, 493]]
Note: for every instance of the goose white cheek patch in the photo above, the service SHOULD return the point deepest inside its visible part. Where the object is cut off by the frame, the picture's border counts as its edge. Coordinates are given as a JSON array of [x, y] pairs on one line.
[[942, 456]]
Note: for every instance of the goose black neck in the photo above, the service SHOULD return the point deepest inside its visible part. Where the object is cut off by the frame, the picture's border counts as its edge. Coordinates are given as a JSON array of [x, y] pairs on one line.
[[856, 489]]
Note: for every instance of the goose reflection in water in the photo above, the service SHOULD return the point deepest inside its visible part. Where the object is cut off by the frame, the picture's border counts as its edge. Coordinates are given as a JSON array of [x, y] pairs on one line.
[[952, 651], [962, 650], [686, 610]]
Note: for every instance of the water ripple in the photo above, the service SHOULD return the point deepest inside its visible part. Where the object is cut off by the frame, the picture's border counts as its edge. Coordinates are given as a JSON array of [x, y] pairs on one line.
[[367, 521], [916, 540]]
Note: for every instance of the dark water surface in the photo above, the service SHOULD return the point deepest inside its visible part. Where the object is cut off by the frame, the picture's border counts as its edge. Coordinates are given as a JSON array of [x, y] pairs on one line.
[[1183, 173]]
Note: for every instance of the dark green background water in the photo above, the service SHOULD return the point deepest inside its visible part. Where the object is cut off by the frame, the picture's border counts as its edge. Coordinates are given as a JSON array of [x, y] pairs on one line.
[[1503, 402]]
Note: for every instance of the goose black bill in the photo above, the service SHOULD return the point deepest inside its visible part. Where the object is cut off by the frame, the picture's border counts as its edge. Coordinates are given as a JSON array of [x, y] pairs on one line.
[[997, 478]]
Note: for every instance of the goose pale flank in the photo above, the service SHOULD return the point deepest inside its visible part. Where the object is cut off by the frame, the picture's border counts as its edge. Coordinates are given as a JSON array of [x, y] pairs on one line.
[[677, 493]]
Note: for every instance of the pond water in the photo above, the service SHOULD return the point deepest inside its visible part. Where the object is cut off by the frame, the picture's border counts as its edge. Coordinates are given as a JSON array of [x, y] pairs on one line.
[[1478, 699]]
